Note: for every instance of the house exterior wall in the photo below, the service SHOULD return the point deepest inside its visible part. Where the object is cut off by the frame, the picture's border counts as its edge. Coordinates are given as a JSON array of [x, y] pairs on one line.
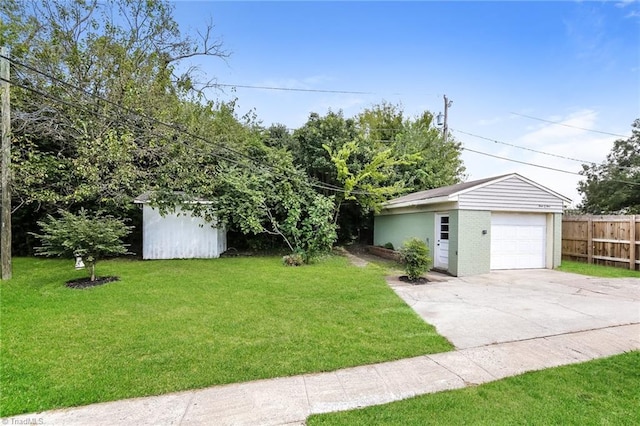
[[511, 194], [557, 240], [473, 251], [469, 214], [398, 228], [179, 235]]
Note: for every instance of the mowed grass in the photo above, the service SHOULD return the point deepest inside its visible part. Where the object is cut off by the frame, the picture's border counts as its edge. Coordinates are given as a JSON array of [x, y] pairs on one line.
[[184, 324], [601, 392], [597, 270]]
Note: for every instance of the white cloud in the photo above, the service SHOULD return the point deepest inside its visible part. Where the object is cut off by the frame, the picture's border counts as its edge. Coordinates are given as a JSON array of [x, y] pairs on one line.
[[624, 3], [561, 141]]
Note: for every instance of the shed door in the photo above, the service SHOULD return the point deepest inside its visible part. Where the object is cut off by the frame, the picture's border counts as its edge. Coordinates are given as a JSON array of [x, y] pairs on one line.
[[518, 241], [442, 242]]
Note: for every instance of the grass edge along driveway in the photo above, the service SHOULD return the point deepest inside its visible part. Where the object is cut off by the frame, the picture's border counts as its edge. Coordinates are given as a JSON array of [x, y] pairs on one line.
[[593, 270], [599, 392], [186, 324]]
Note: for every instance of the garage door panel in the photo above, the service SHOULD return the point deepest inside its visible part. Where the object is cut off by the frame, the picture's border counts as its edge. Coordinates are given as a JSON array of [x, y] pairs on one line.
[[518, 241]]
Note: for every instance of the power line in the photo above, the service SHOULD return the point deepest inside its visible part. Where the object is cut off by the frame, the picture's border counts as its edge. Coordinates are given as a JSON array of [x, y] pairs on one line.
[[290, 89], [348, 92], [541, 166], [62, 101], [523, 147], [540, 152], [154, 120], [324, 186], [521, 162], [128, 110], [569, 125]]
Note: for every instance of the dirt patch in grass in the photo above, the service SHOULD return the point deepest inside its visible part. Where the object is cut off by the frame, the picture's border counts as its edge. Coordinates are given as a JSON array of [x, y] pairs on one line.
[[80, 283], [416, 281]]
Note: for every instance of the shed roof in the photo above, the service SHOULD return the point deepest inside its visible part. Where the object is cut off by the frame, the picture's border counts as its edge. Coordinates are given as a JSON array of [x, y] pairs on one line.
[[148, 197], [450, 193]]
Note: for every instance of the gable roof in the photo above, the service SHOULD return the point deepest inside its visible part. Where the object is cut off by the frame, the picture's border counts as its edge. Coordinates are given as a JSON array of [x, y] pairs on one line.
[[181, 196], [451, 192]]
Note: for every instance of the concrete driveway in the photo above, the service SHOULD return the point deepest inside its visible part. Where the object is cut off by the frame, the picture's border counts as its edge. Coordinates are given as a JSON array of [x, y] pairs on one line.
[[506, 306]]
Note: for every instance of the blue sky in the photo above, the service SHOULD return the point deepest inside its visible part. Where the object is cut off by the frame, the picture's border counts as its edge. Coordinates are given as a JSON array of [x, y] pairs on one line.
[[573, 62]]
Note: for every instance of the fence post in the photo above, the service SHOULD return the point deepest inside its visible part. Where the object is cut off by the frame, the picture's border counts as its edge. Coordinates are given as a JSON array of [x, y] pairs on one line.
[[589, 240], [632, 243]]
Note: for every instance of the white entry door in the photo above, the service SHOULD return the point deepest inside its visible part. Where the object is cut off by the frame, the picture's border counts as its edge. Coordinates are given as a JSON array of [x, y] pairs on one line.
[[441, 257]]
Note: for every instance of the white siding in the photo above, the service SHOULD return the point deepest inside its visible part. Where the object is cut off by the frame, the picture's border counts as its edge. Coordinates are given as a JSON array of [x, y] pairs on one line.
[[179, 236], [511, 194]]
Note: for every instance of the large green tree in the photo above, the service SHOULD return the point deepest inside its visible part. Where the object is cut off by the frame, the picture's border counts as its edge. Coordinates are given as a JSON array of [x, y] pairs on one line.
[[93, 82], [614, 185], [259, 193], [378, 154]]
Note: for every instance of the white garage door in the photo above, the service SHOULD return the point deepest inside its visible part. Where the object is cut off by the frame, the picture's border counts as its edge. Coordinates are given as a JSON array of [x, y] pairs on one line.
[[518, 241]]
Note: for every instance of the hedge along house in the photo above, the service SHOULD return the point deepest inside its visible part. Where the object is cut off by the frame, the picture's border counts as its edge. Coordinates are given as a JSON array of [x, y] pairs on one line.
[[502, 222], [178, 234]]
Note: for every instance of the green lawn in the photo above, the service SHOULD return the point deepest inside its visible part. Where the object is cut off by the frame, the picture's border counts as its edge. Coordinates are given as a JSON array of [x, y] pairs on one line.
[[183, 324], [597, 270], [601, 392]]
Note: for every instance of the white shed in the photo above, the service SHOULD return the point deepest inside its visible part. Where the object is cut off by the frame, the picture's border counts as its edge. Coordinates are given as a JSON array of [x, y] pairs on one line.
[[178, 234]]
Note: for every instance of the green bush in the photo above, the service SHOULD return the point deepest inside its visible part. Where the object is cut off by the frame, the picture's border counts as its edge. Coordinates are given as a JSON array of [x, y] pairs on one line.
[[90, 237], [388, 246], [294, 259], [414, 255]]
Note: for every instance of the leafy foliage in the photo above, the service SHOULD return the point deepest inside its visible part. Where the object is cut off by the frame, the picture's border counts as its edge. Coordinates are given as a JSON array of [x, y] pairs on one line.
[[414, 254], [371, 158], [153, 129], [294, 259], [72, 149], [92, 238], [269, 196], [614, 185]]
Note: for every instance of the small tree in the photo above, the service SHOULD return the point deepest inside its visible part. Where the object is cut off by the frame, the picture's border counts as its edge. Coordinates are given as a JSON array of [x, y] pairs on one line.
[[414, 254], [92, 238]]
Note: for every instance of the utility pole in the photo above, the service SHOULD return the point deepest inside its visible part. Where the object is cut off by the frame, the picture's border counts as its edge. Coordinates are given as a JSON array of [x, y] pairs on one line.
[[445, 127], [5, 232]]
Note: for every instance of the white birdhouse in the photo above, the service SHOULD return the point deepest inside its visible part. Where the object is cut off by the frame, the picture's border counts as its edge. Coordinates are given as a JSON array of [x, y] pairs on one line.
[[79, 262]]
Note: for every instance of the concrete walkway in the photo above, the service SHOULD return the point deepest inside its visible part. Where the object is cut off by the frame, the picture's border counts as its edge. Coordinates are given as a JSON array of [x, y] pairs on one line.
[[290, 400]]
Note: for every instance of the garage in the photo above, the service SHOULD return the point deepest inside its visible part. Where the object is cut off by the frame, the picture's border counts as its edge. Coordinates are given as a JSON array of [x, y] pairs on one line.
[[518, 241], [495, 223]]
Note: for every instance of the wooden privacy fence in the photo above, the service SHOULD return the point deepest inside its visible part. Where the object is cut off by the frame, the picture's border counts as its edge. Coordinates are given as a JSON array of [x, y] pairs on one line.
[[609, 240]]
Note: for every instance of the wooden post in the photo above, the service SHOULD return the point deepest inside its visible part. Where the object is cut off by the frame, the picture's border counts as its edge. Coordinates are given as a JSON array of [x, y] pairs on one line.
[[589, 240], [632, 243], [5, 232]]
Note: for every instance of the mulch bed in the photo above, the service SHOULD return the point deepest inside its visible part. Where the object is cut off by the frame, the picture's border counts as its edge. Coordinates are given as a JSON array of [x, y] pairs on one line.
[[417, 281], [80, 283]]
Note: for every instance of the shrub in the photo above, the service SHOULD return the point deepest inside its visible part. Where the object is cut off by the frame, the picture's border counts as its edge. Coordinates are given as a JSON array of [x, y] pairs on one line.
[[92, 238], [294, 259], [388, 246], [414, 255]]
